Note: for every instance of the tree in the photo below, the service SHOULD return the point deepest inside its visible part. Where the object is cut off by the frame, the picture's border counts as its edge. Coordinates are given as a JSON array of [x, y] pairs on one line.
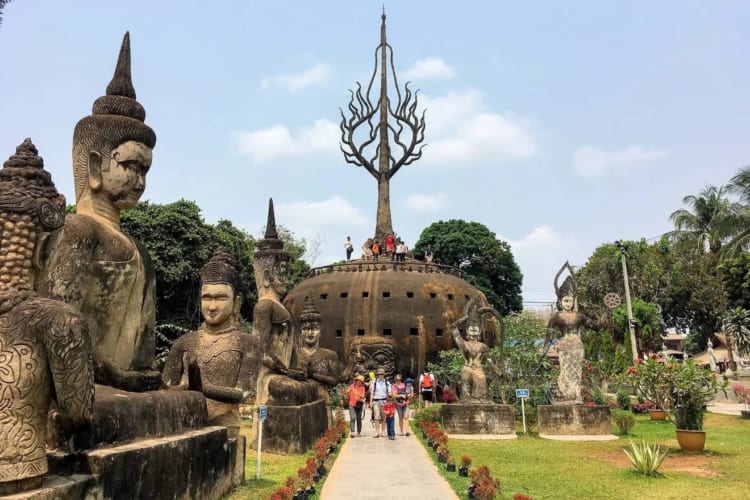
[[735, 276], [740, 186], [3, 3], [648, 323], [487, 262], [710, 223], [737, 325]]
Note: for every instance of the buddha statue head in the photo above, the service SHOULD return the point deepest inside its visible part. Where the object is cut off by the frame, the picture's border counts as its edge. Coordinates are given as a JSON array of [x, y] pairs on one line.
[[566, 292], [220, 301], [112, 146], [29, 205], [271, 260], [310, 324]]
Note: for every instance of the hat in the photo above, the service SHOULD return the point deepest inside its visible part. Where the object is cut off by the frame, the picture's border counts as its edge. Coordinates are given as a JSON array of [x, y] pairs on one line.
[[361, 378], [380, 371], [409, 380]]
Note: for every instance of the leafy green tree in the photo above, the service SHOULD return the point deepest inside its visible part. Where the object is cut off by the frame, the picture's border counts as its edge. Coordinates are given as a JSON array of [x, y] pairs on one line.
[[737, 325], [487, 262], [647, 321], [735, 276]]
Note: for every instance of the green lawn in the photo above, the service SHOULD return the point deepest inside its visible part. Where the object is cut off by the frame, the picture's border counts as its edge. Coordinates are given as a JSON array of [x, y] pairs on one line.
[[547, 469]]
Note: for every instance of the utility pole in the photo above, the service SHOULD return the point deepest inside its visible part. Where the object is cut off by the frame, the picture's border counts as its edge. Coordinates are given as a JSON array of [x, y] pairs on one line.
[[631, 324]]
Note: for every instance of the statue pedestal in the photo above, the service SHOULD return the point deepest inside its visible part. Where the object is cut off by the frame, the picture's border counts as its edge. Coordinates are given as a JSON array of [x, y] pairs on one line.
[[293, 429], [574, 420], [483, 418], [147, 445]]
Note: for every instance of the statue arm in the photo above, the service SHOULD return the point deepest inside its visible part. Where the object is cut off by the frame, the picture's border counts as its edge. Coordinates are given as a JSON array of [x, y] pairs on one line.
[[329, 380], [128, 380], [174, 368], [71, 250], [69, 355], [456, 333]]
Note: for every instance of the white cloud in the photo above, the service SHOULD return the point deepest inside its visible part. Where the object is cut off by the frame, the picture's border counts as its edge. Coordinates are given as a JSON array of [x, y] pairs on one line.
[[419, 202], [317, 74], [277, 141], [430, 67], [311, 216], [589, 161], [461, 131]]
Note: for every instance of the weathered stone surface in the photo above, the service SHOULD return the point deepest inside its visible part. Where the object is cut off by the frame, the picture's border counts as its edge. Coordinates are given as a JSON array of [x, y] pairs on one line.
[[77, 486], [478, 419], [319, 364], [574, 420], [196, 464], [121, 416], [294, 429]]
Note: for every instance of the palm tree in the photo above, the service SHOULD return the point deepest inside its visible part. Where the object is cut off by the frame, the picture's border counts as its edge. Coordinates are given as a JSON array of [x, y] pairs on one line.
[[740, 186], [3, 3], [709, 221], [737, 326]]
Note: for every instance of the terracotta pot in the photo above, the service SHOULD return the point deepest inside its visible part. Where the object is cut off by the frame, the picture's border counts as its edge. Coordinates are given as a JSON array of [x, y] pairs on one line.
[[691, 441], [658, 415]]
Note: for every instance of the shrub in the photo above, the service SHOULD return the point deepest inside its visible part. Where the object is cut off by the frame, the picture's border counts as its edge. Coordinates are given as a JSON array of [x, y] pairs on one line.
[[599, 397], [430, 414], [624, 421], [646, 458], [623, 399], [465, 461]]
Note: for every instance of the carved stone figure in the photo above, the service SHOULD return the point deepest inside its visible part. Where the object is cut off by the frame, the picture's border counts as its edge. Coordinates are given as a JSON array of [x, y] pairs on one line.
[[219, 359], [711, 356], [473, 379], [370, 352], [44, 344], [321, 365], [568, 321], [93, 265]]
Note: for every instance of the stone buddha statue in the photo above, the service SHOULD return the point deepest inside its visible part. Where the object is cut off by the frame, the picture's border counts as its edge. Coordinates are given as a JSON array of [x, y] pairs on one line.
[[320, 364], [272, 322], [92, 264], [45, 353], [219, 359], [568, 322], [473, 379]]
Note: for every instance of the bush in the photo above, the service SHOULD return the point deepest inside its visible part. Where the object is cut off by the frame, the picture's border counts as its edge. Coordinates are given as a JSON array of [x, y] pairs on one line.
[[623, 399], [646, 458], [429, 414], [624, 421], [599, 397]]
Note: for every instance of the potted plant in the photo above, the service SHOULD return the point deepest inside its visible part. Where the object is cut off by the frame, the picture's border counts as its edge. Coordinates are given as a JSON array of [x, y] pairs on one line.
[[463, 469], [743, 396], [483, 485], [648, 379], [691, 386]]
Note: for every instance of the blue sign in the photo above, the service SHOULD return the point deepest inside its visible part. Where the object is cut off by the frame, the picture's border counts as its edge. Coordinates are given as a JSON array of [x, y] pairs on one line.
[[263, 412], [522, 393]]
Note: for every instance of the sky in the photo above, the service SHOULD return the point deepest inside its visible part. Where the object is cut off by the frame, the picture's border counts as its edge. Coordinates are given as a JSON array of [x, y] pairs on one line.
[[559, 125]]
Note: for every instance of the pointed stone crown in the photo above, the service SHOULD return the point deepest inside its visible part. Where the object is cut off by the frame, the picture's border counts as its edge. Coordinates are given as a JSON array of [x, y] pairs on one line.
[[271, 245], [221, 268], [310, 313], [25, 187]]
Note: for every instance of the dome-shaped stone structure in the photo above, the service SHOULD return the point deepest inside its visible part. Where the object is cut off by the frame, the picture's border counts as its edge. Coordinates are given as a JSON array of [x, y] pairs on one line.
[[391, 314]]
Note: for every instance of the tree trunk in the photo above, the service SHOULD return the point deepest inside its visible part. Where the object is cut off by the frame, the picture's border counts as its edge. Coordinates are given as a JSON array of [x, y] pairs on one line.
[[383, 224]]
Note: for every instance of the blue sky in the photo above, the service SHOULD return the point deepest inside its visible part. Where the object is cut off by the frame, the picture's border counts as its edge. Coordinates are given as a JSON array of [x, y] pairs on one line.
[[559, 125]]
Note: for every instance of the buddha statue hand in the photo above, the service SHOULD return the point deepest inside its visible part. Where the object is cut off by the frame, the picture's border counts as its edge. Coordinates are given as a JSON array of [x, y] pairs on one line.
[[297, 374], [190, 365], [128, 380]]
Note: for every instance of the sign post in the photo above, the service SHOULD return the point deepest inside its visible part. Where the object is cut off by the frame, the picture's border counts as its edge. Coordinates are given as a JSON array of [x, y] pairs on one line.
[[262, 414], [522, 394]]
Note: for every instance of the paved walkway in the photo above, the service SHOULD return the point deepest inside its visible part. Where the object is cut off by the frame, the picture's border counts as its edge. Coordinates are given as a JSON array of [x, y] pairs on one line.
[[379, 469]]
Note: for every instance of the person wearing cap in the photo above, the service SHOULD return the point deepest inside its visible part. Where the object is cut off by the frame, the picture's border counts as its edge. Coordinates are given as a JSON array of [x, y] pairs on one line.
[[380, 389], [402, 392], [356, 394]]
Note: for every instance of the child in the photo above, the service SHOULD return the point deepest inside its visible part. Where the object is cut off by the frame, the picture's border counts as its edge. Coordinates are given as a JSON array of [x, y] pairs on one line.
[[389, 408]]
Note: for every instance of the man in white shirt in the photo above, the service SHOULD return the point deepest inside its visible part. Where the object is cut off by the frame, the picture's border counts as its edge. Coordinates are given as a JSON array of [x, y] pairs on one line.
[[380, 388]]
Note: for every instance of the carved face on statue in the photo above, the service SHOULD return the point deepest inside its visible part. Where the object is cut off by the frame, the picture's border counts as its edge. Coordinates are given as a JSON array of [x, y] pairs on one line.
[[275, 278], [567, 303], [368, 354], [311, 334], [473, 332], [123, 179], [219, 305]]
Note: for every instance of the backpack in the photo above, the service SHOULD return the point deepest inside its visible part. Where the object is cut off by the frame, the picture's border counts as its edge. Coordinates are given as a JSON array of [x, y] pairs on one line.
[[427, 381]]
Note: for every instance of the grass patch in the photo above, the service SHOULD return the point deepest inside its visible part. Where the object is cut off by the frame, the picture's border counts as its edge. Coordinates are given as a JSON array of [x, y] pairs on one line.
[[564, 469]]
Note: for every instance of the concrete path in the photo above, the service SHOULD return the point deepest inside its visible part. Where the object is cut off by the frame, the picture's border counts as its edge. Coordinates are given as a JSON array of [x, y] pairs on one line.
[[369, 468]]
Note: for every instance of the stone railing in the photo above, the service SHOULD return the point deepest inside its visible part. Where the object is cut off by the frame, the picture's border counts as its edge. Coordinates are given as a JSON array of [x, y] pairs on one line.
[[361, 265]]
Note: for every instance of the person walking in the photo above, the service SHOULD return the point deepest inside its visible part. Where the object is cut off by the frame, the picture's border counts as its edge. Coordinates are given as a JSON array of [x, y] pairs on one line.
[[402, 392], [390, 246], [428, 254], [426, 387], [356, 395], [380, 388], [348, 247], [389, 409], [404, 251], [399, 250], [375, 251]]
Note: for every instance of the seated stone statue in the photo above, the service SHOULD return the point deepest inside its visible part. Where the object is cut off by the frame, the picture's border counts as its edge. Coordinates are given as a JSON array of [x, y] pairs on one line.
[[93, 265], [44, 344], [473, 379], [567, 321], [321, 365], [219, 360], [272, 323]]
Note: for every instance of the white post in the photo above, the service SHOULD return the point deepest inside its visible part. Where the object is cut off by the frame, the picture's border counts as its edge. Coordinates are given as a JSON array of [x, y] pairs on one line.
[[260, 440], [523, 414]]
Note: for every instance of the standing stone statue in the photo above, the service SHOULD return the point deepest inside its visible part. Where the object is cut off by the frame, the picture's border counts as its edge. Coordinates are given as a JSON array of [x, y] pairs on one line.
[[711, 356], [219, 360], [321, 365], [473, 379], [567, 321], [44, 344], [93, 265]]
